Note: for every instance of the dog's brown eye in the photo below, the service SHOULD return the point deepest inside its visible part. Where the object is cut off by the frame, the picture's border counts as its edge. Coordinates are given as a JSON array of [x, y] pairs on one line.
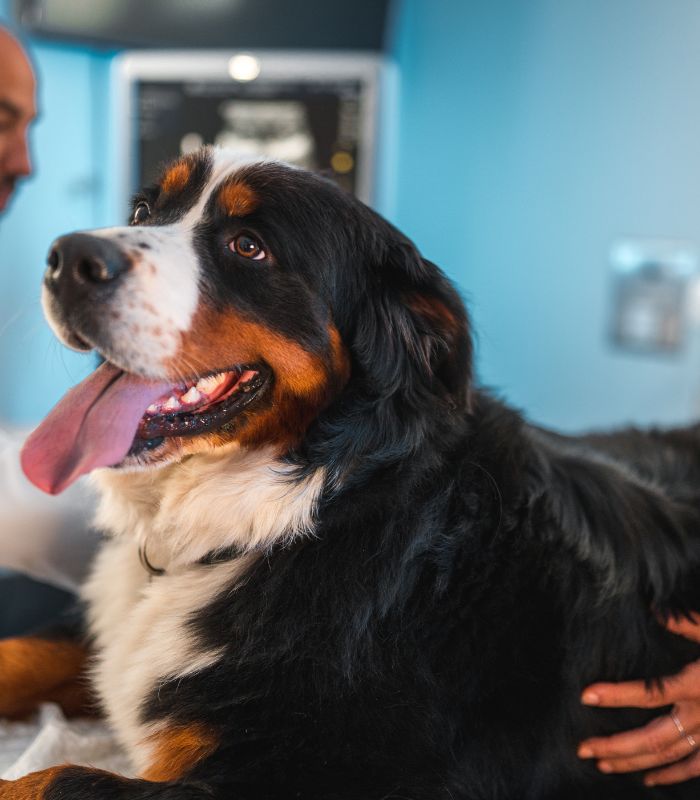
[[141, 213], [247, 247]]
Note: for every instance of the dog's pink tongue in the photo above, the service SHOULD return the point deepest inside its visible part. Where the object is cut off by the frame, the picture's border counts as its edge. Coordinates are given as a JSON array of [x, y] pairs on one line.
[[92, 426]]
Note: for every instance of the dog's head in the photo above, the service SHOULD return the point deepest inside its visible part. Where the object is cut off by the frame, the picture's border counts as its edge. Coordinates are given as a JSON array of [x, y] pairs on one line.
[[243, 299]]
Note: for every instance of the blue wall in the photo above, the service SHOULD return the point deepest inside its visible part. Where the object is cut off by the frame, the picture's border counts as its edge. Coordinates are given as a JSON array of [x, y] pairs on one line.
[[528, 137], [533, 134]]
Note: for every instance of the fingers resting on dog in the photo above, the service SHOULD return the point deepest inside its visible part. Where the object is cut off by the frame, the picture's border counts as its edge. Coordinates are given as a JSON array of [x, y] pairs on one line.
[[668, 745]]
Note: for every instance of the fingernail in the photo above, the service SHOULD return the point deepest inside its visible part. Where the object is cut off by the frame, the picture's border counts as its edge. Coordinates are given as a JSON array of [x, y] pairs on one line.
[[603, 766], [590, 698], [585, 752]]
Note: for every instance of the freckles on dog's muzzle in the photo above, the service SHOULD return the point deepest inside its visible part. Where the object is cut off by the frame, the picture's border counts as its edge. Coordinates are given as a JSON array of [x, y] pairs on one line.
[[84, 268]]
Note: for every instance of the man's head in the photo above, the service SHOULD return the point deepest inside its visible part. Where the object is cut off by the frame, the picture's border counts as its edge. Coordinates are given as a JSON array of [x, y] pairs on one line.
[[17, 110]]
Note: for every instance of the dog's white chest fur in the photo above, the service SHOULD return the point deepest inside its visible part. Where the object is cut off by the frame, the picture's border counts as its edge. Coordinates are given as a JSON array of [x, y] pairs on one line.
[[179, 514], [141, 633]]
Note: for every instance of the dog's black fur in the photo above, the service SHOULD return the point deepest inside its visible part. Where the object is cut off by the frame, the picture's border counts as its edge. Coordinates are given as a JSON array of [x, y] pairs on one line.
[[470, 572]]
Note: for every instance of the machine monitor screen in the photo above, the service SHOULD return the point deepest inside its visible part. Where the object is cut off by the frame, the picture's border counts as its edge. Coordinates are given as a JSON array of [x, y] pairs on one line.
[[315, 111]]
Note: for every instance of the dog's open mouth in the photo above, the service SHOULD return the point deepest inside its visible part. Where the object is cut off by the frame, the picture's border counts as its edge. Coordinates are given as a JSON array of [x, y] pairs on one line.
[[199, 406], [112, 417]]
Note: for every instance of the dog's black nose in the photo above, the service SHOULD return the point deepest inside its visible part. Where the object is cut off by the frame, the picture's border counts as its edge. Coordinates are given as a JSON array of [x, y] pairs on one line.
[[85, 259]]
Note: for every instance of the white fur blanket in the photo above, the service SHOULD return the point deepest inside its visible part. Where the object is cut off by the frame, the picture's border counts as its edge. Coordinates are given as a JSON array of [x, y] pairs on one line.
[[49, 739]]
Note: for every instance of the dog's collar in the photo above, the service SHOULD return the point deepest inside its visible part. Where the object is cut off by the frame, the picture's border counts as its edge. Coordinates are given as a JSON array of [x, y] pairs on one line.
[[146, 564], [215, 557]]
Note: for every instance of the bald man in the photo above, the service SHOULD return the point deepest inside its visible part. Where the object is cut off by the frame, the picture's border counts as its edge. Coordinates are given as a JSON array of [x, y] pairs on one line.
[[17, 111], [49, 541]]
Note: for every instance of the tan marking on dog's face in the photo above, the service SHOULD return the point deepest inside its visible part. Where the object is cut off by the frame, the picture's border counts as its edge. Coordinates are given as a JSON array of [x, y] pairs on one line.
[[177, 177], [304, 382], [294, 406], [237, 199], [217, 340], [177, 750]]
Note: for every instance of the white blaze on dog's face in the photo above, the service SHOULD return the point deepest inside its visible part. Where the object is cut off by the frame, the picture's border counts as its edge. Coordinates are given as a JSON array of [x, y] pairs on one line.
[[143, 336], [209, 310], [154, 306]]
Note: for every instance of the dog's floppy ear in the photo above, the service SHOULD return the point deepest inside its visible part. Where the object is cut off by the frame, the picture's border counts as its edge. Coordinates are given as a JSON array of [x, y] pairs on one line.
[[412, 334], [440, 334]]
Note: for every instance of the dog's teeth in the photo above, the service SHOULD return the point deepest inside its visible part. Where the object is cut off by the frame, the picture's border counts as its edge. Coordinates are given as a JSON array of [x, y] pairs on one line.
[[152, 409], [192, 396], [172, 404], [210, 384]]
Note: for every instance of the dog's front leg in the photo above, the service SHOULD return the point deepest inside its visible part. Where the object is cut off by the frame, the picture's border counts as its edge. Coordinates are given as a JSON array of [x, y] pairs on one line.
[[84, 783], [35, 670]]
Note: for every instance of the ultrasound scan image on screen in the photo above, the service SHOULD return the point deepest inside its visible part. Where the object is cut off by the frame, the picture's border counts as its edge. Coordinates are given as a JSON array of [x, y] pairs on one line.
[[314, 124]]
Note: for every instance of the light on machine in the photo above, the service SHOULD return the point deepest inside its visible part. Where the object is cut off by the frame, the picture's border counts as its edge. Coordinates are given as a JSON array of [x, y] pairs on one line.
[[244, 67]]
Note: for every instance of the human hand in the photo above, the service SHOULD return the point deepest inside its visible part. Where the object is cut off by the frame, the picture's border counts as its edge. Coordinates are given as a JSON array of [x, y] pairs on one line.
[[670, 741]]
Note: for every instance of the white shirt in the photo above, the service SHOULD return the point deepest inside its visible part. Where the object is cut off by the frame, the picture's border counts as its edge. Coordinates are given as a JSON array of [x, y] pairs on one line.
[[47, 538]]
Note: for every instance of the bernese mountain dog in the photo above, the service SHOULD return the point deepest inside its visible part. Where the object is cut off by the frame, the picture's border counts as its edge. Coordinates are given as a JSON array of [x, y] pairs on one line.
[[335, 569]]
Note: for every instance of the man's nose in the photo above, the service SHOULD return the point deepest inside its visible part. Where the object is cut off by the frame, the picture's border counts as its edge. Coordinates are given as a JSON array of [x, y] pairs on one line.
[[18, 160]]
